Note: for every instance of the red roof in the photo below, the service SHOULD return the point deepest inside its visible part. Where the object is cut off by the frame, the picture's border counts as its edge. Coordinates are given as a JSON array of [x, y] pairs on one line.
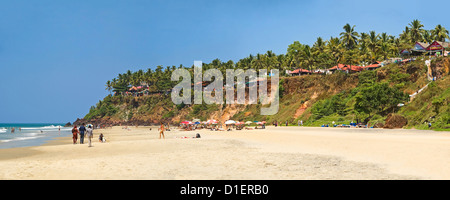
[[372, 66], [435, 46], [353, 68], [297, 71], [346, 67], [339, 66]]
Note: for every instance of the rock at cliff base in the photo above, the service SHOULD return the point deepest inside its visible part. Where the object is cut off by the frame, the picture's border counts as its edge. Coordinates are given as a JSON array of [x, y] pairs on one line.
[[395, 121]]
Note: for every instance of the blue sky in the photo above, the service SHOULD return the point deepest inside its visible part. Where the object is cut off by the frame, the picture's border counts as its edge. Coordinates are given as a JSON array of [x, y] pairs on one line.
[[56, 56]]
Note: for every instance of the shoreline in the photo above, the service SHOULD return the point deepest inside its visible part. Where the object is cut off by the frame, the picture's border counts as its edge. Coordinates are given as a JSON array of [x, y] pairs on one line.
[[272, 153]]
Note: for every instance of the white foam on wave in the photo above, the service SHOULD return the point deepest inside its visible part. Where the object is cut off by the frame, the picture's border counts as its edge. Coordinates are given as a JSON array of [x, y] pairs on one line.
[[20, 138], [3, 130], [43, 127]]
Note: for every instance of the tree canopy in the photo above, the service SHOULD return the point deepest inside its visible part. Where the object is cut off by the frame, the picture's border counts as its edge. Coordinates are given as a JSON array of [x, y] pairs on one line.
[[350, 47]]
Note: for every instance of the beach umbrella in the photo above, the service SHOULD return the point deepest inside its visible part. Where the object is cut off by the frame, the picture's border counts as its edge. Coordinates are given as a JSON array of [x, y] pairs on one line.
[[196, 120], [255, 121], [186, 122], [230, 122], [239, 123], [212, 121], [248, 122]]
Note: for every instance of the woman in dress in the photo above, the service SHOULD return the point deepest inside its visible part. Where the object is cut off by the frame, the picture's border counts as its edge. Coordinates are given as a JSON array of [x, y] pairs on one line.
[[75, 134]]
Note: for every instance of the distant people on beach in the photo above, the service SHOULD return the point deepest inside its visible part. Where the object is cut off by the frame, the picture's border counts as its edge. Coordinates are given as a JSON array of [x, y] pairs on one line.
[[74, 134], [13, 130], [161, 131], [101, 138], [90, 134], [82, 129]]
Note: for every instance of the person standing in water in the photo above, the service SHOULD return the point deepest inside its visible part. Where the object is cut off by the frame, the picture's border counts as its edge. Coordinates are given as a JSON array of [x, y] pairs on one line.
[[161, 131], [74, 134], [89, 134]]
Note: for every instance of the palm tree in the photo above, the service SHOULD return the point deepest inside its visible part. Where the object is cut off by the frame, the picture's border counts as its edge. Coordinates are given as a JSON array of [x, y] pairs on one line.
[[108, 86], [416, 31], [427, 37], [440, 33], [335, 49], [405, 36], [349, 37], [308, 59], [319, 45], [395, 47], [373, 44]]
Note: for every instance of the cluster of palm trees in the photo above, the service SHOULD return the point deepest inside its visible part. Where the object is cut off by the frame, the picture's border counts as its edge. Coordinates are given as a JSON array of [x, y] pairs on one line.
[[351, 48], [416, 33], [157, 80]]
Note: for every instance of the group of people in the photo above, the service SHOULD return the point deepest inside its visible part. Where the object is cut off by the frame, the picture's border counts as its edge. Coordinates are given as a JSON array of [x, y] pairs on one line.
[[83, 131]]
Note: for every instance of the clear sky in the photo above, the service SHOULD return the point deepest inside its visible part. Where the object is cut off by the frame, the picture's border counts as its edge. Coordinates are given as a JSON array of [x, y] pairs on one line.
[[56, 55]]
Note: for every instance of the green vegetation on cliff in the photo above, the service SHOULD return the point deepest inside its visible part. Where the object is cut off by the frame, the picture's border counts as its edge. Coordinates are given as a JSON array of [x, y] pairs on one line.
[[367, 97]]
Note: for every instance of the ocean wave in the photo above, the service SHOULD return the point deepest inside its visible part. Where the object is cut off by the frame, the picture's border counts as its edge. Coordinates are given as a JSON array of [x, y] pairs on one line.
[[19, 138], [3, 130], [43, 127]]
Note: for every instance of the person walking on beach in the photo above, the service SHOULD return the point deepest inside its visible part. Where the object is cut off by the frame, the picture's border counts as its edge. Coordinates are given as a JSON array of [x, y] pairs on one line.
[[161, 131], [82, 129], [89, 134], [74, 134]]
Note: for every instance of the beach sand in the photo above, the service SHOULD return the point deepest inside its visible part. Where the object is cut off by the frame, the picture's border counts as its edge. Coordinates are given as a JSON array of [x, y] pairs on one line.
[[273, 153]]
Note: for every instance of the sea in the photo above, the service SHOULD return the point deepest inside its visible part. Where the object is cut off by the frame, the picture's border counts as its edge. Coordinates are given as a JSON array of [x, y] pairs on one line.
[[30, 134]]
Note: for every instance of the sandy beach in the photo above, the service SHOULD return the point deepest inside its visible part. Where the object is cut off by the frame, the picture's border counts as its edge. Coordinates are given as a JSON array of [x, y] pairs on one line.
[[273, 153]]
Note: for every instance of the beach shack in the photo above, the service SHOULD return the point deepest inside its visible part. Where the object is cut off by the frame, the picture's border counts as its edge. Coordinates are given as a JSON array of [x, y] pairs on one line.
[[373, 66], [352, 68], [299, 72], [418, 49], [420, 46], [337, 67], [405, 52], [346, 68], [437, 46]]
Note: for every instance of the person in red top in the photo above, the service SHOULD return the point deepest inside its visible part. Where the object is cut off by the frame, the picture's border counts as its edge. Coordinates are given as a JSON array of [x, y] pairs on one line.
[[75, 134]]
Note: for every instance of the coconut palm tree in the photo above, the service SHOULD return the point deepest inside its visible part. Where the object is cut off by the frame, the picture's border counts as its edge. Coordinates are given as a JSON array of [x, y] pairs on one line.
[[349, 37], [373, 44], [335, 49], [108, 86], [440, 33], [416, 31], [308, 58], [427, 37]]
